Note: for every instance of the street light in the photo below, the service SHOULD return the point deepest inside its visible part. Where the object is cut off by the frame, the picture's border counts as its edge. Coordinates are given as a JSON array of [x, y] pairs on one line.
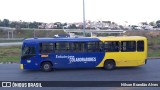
[[84, 23]]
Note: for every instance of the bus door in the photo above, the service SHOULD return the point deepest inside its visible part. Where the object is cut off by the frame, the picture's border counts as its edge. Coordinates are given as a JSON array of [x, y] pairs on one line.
[[46, 50]]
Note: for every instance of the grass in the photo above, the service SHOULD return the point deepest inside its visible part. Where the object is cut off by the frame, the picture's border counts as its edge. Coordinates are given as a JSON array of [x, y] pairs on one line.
[[154, 54], [10, 53]]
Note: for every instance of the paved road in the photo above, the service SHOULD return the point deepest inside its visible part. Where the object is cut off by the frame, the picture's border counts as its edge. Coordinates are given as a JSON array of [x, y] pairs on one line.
[[148, 72], [11, 44]]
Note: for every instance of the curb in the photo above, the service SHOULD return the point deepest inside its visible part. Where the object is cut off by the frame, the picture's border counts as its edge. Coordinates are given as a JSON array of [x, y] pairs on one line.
[[153, 58]]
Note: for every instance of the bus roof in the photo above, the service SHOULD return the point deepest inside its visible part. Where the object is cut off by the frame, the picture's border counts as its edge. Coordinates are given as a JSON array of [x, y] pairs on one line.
[[85, 39], [121, 38]]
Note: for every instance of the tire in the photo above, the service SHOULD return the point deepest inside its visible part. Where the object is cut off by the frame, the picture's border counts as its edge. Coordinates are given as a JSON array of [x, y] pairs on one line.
[[46, 67], [109, 65]]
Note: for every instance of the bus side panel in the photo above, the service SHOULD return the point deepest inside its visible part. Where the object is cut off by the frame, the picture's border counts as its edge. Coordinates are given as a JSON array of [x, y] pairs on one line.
[[126, 58], [77, 60]]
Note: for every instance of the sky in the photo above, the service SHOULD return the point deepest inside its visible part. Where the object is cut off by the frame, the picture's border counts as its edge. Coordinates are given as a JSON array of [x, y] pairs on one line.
[[120, 11]]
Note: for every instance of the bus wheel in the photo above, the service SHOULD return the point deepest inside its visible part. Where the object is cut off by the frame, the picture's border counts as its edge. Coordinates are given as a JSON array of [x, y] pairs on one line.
[[46, 66], [109, 65]]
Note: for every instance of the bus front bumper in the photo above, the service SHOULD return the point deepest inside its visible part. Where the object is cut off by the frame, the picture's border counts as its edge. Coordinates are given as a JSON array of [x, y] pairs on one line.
[[21, 66]]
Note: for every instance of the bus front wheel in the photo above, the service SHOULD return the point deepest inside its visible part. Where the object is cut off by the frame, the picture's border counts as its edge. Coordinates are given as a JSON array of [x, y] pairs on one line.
[[109, 65], [46, 66]]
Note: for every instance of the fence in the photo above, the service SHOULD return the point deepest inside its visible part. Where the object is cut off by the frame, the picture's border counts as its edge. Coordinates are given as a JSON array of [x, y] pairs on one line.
[[29, 33]]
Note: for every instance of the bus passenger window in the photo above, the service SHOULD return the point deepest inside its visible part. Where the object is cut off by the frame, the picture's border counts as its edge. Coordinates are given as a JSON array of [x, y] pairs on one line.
[[111, 46], [46, 47], [140, 45], [95, 46], [128, 46], [62, 47], [78, 47]]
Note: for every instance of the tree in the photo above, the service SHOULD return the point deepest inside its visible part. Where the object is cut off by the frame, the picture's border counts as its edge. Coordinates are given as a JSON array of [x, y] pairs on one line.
[[59, 25], [158, 23], [33, 24], [5, 22], [113, 23], [152, 23], [73, 26], [1, 23], [13, 24]]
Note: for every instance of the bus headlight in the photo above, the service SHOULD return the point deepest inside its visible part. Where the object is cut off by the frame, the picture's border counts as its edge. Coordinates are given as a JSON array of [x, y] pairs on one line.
[[28, 61]]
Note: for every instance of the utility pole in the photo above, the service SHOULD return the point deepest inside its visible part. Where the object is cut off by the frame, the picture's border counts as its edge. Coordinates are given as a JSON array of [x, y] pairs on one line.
[[84, 22]]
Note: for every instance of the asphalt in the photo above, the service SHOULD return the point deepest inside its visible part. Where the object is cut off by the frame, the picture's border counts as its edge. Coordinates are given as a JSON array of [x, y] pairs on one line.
[[148, 72], [11, 44]]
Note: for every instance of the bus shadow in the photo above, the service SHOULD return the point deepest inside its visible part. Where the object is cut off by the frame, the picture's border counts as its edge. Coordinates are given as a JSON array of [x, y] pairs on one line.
[[129, 68], [79, 69], [83, 69]]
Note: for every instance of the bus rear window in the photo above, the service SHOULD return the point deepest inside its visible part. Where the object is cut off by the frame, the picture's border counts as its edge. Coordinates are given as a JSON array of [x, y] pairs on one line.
[[140, 45]]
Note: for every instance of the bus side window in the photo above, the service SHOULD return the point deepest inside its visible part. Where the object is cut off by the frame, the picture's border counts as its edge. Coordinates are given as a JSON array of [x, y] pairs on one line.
[[78, 47], [95, 46], [140, 46], [128, 46], [62, 47], [46, 47], [91, 46], [111, 46]]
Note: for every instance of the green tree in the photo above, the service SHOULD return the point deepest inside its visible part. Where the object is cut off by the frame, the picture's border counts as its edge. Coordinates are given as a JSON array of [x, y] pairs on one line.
[[13, 24], [158, 23], [5, 22], [1, 23], [73, 26], [152, 23]]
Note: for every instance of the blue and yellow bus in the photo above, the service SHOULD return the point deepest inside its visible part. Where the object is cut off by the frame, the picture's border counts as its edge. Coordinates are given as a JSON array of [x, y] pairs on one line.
[[107, 52]]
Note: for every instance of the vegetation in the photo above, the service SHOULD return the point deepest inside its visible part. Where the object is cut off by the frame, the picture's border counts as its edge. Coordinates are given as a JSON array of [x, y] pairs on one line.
[[10, 53]]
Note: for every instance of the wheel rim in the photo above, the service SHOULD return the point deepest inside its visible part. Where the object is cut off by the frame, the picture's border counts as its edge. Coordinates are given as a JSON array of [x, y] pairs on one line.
[[109, 66], [46, 67]]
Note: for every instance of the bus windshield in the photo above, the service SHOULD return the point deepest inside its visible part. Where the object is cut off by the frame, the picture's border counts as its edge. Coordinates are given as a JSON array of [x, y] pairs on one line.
[[28, 51]]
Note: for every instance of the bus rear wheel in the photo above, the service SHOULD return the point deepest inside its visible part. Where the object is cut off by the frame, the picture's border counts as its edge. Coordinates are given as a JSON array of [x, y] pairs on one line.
[[46, 67], [109, 65]]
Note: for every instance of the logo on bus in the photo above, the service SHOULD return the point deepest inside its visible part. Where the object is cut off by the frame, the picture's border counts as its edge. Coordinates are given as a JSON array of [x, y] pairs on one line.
[[77, 59]]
